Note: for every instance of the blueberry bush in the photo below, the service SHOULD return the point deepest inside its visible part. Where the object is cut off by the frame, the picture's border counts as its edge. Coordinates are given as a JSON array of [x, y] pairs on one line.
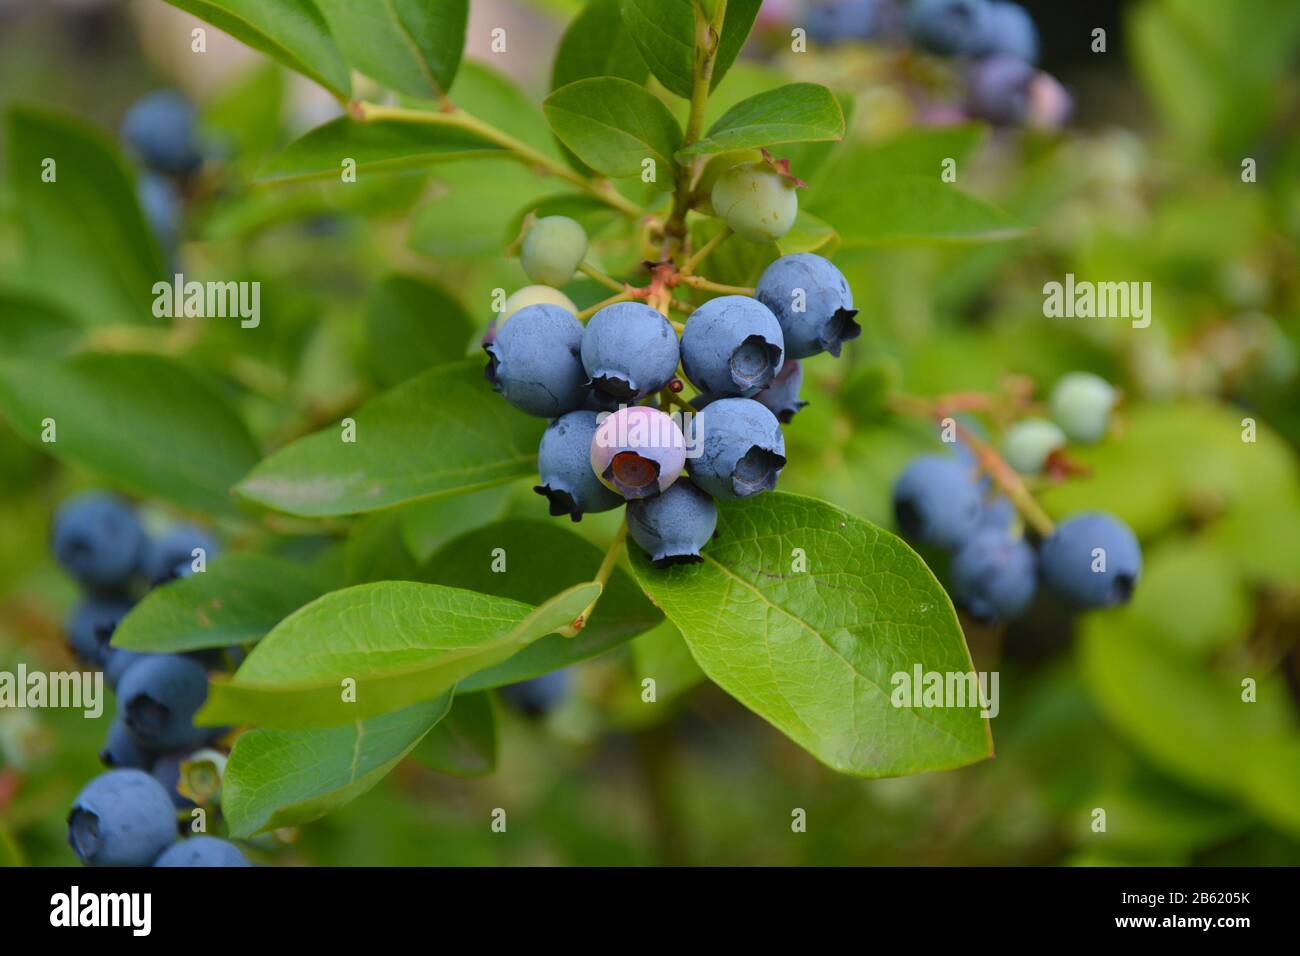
[[443, 422]]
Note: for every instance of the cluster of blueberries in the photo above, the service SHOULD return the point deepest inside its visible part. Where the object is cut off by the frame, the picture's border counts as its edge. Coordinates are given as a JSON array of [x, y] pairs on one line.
[[1091, 560], [604, 447], [996, 41], [161, 131], [127, 816]]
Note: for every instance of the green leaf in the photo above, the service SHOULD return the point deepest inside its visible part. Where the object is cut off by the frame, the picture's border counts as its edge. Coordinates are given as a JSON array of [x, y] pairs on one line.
[[596, 43], [428, 525], [541, 559], [373, 146], [33, 327], [815, 652], [413, 324], [143, 421], [245, 115], [280, 778], [86, 245], [464, 743], [413, 46], [290, 31], [494, 97], [472, 205], [797, 113], [916, 152], [913, 210], [399, 641], [662, 654], [613, 125], [440, 433], [808, 234], [664, 30], [239, 599]]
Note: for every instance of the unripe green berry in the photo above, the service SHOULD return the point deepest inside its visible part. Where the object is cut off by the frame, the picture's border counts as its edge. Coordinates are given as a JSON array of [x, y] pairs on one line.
[[715, 167], [1081, 404], [553, 248], [755, 201], [1029, 442], [536, 295]]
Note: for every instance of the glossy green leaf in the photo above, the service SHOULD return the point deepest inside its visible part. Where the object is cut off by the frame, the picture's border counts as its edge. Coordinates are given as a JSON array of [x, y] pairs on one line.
[[597, 43], [143, 421], [291, 31], [440, 433], [413, 46], [238, 599], [797, 113], [808, 234], [413, 324], [427, 525], [664, 30], [464, 743], [33, 326], [280, 778], [472, 205], [915, 211], [85, 242], [816, 652], [541, 558], [398, 641], [614, 125], [373, 147]]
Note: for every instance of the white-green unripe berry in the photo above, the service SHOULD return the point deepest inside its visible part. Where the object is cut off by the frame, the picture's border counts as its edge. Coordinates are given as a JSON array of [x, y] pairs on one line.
[[553, 248], [756, 201], [536, 295], [1081, 404], [1029, 442]]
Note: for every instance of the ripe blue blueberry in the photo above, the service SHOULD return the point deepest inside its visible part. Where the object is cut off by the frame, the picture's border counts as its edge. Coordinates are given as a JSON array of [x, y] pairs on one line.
[[937, 502], [534, 361], [172, 556], [564, 462], [997, 513], [91, 625], [202, 851], [98, 540], [121, 818], [812, 302], [674, 526], [742, 449], [949, 27], [117, 663], [732, 345], [629, 351], [161, 204], [1081, 404], [999, 89], [756, 201], [833, 21], [552, 250], [1009, 30], [160, 128], [994, 576], [541, 694], [158, 698], [1091, 560], [1029, 442], [781, 397], [638, 451], [121, 749]]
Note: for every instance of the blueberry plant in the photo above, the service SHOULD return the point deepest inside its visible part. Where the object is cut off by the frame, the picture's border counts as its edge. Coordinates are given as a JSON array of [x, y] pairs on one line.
[[598, 404]]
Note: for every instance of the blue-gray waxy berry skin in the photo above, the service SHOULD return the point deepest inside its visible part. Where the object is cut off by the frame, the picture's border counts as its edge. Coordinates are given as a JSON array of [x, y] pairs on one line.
[[158, 697], [812, 302], [540, 695], [202, 851], [949, 27], [673, 526], [629, 351], [998, 90], [1010, 30], [121, 818], [781, 398], [732, 346], [742, 449], [118, 662], [994, 576], [121, 750], [937, 502], [564, 462], [162, 206], [98, 540], [160, 128], [172, 555], [1067, 560], [91, 625], [535, 361]]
